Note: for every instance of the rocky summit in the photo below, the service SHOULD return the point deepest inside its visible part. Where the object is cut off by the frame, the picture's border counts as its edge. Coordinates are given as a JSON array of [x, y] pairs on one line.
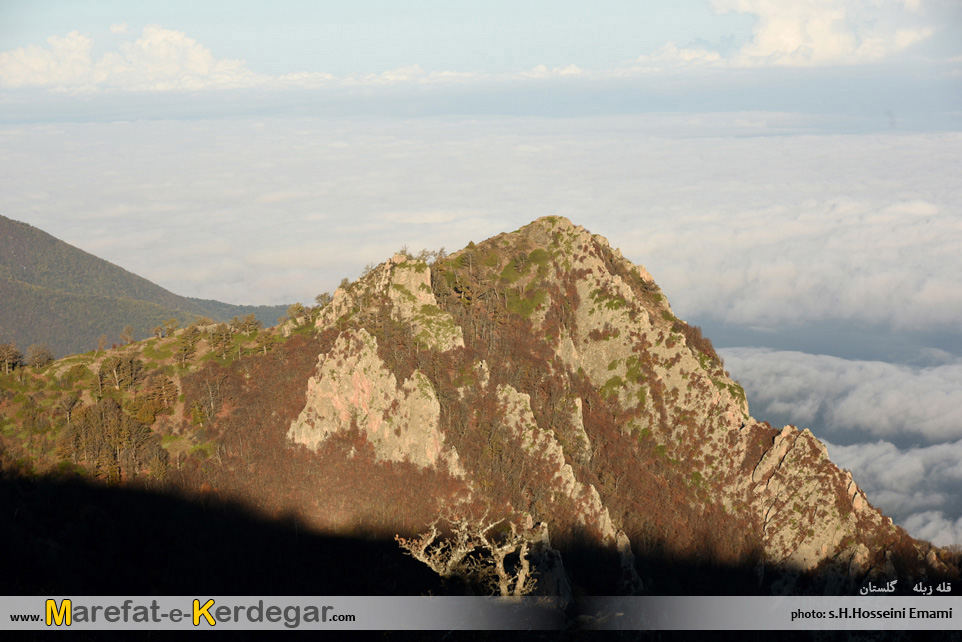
[[550, 374]]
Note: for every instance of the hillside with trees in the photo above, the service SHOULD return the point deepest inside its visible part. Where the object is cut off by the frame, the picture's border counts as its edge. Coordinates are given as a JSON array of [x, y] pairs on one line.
[[58, 295]]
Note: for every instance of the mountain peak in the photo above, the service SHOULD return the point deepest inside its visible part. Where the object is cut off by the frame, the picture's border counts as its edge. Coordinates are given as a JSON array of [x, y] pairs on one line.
[[580, 357]]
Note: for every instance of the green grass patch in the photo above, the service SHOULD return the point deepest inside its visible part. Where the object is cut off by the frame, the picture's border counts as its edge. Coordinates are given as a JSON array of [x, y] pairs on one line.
[[704, 360], [524, 305], [612, 386], [539, 256], [510, 273], [205, 450], [642, 396], [633, 370], [737, 391], [151, 351], [306, 329], [610, 301]]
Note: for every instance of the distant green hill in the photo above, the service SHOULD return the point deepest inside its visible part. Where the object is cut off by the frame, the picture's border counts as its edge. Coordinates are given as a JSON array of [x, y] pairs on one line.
[[54, 293]]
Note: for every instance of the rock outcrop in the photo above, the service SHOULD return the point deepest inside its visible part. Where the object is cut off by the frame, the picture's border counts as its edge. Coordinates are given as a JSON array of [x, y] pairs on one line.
[[353, 389], [406, 284]]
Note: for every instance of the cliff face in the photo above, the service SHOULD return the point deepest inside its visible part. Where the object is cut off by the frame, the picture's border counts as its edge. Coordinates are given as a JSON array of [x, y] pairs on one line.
[[551, 374]]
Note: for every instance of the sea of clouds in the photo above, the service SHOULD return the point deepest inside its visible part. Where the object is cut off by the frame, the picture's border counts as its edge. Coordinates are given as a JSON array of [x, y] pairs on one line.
[[755, 226]]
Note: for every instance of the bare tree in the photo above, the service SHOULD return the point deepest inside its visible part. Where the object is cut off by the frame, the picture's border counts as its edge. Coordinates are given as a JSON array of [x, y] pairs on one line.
[[124, 371], [39, 355], [170, 326], [68, 403], [10, 357], [477, 550]]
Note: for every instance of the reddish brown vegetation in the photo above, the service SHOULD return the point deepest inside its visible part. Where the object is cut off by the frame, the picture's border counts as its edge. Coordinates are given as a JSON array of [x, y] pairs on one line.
[[761, 438], [339, 488], [695, 339]]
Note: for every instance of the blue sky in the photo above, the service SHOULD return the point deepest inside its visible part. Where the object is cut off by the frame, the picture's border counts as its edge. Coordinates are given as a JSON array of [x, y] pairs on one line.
[[788, 172]]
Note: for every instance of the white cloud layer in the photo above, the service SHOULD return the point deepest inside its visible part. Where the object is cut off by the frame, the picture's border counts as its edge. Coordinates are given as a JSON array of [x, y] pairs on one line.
[[758, 230], [935, 527], [852, 400], [917, 487]]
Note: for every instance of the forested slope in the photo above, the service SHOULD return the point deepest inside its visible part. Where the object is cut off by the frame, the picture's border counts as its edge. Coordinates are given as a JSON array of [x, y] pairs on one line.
[[54, 293]]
